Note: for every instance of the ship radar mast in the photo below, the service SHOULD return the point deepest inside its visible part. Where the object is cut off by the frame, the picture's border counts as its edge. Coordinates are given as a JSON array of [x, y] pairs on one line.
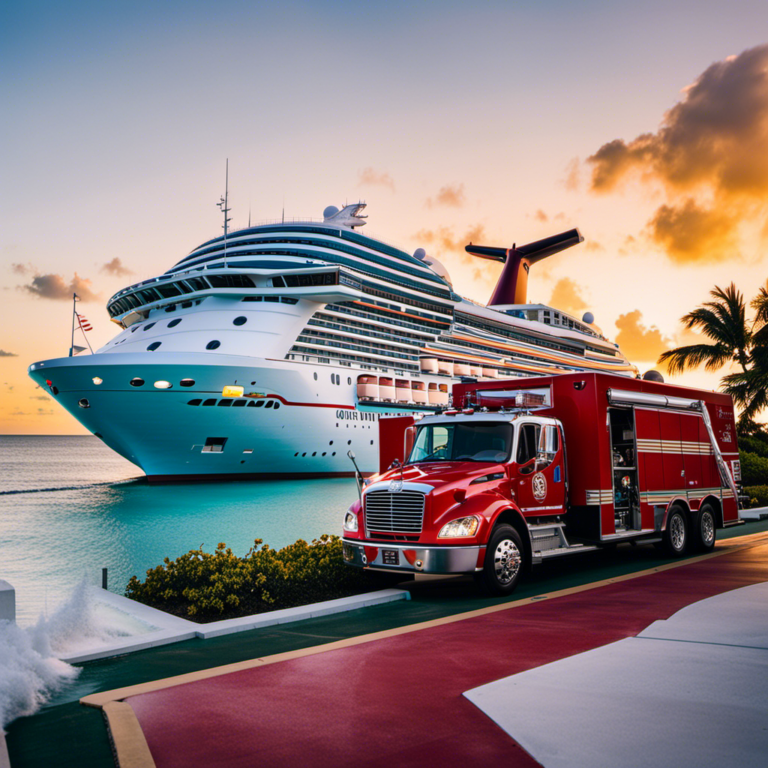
[[223, 206]]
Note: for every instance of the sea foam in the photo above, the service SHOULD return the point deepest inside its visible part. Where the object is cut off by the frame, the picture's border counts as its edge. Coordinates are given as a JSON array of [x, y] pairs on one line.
[[30, 670]]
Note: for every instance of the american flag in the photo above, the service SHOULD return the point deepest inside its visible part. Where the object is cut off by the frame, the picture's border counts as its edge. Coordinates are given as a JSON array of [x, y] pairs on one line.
[[83, 322]]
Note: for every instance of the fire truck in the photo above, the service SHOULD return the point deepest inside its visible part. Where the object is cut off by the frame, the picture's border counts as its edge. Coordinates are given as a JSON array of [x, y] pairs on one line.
[[516, 472]]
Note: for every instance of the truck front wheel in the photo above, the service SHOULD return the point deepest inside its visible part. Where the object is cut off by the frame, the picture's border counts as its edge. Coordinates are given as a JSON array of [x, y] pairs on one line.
[[676, 533], [503, 561]]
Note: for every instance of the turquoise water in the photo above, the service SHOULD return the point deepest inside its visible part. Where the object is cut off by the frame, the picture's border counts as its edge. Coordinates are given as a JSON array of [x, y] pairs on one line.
[[69, 507]]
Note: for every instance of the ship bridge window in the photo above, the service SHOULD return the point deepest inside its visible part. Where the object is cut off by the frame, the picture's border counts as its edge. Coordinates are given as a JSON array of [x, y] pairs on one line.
[[187, 382], [171, 308], [194, 402], [242, 320], [148, 295], [314, 278], [198, 283], [168, 291], [225, 403], [275, 299], [287, 300], [277, 404], [231, 281], [269, 404], [210, 401], [252, 298], [214, 444], [239, 403], [277, 282], [213, 344], [174, 322], [148, 326], [153, 346], [137, 382]]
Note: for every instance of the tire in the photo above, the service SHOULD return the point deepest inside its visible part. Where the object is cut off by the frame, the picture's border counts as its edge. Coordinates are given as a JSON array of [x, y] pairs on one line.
[[705, 531], [676, 534], [505, 560]]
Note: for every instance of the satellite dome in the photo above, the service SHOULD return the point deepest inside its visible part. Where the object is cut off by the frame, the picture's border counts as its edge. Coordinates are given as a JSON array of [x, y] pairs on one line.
[[419, 253], [653, 376], [588, 318], [331, 210]]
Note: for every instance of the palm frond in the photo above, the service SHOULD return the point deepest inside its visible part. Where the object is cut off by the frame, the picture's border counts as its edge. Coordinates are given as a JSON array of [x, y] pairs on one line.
[[711, 356]]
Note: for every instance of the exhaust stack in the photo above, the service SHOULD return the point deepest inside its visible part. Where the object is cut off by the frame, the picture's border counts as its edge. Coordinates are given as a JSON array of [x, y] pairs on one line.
[[512, 287]]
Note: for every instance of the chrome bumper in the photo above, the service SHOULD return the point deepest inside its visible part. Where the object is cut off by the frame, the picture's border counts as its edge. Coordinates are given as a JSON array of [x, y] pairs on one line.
[[411, 559]]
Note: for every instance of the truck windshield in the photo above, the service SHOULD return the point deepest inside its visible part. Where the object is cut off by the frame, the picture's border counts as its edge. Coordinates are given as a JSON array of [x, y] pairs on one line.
[[462, 441]]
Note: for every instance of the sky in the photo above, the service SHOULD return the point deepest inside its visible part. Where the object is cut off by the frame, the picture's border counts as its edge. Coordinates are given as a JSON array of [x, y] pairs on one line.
[[644, 125]]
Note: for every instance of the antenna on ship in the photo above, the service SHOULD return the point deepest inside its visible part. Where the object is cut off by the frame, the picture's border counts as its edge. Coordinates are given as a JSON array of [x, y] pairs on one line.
[[224, 208]]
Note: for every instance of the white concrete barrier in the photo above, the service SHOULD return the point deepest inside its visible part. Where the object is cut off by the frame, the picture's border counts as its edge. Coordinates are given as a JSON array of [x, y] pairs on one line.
[[7, 602]]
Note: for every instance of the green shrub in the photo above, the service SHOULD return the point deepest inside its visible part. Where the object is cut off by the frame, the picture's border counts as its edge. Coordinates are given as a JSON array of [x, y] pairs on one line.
[[212, 585], [758, 495], [754, 444], [754, 469]]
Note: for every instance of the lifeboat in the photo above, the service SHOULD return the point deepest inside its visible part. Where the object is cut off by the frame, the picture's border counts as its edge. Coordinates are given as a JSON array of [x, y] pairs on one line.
[[490, 373], [462, 369], [387, 389], [429, 364], [445, 367], [367, 387], [438, 394], [403, 391], [419, 392], [477, 370]]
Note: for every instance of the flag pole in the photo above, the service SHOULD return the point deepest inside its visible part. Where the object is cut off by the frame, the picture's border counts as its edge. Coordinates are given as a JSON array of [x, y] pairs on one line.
[[72, 339]]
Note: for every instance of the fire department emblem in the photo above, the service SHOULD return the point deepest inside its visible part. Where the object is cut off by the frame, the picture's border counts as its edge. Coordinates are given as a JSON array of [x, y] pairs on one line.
[[539, 487], [396, 486]]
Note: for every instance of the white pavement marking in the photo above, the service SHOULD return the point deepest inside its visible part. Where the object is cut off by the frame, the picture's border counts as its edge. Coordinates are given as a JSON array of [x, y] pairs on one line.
[[689, 691]]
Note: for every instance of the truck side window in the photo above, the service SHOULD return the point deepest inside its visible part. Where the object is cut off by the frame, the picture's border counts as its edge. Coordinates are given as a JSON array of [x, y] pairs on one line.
[[549, 443], [527, 445]]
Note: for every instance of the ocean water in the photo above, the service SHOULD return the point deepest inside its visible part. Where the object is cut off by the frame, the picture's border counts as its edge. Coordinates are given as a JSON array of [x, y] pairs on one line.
[[69, 506]]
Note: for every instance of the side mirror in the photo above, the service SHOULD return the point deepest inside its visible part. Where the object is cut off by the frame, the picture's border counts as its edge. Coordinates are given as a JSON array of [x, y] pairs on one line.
[[409, 440]]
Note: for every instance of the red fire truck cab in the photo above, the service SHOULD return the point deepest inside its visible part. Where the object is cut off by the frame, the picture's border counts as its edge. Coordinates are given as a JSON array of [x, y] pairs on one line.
[[528, 469]]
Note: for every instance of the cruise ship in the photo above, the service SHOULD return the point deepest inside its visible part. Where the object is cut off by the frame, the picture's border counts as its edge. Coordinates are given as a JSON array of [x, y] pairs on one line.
[[270, 351]]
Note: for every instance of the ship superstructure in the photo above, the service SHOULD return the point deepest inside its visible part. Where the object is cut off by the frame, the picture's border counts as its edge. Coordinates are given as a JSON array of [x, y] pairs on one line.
[[272, 350]]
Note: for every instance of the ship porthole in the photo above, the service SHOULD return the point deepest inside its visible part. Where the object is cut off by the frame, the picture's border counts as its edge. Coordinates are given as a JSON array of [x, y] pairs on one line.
[[148, 326], [242, 320], [153, 346], [137, 382], [187, 382], [83, 403], [213, 345], [174, 322]]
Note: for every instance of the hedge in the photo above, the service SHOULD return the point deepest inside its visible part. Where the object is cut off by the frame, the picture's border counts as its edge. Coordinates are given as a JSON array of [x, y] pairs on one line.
[[206, 586], [754, 444], [754, 469], [758, 495]]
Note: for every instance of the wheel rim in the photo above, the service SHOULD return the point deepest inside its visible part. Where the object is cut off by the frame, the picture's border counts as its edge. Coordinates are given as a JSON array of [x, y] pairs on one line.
[[707, 528], [677, 532], [506, 561]]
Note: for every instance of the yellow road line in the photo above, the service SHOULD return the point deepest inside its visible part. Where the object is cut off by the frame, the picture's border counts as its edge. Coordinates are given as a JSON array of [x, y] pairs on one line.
[[725, 547], [131, 749]]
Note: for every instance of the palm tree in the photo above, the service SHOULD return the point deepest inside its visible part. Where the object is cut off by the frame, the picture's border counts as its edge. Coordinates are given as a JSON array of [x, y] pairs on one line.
[[734, 339], [722, 320]]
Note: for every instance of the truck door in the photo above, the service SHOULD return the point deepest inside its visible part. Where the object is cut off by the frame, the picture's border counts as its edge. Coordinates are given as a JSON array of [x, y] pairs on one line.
[[540, 484]]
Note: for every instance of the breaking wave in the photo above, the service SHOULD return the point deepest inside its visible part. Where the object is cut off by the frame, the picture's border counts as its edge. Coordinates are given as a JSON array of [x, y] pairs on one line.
[[80, 487], [30, 668]]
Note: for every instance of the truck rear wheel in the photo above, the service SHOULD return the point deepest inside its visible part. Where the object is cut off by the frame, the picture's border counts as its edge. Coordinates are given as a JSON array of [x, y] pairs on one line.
[[504, 561], [676, 533], [705, 531]]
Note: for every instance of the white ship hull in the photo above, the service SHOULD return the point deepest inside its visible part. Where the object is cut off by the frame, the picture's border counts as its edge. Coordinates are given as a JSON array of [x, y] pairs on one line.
[[308, 435]]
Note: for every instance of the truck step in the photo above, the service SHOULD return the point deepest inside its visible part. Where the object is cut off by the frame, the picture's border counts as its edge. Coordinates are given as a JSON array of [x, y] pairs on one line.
[[569, 550]]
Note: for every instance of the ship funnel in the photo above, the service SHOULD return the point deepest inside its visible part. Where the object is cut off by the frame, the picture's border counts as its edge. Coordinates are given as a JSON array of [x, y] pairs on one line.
[[512, 287]]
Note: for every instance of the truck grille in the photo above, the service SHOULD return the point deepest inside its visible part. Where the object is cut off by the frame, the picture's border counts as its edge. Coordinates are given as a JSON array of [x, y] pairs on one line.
[[396, 512]]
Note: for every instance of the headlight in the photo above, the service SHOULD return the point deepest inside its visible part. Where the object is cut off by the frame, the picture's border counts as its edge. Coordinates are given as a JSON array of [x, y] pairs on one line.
[[464, 526], [350, 521]]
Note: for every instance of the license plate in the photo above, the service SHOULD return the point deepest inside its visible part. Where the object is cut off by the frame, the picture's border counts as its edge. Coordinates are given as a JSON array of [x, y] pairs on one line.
[[390, 556]]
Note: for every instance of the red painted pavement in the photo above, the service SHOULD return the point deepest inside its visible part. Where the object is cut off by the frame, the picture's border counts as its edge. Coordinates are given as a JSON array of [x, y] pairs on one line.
[[397, 701]]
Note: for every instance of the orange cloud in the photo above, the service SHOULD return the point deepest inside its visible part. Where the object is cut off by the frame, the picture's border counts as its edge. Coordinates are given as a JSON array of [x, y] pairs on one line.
[[370, 177], [3, 353], [638, 342], [567, 297], [445, 239], [572, 180], [710, 156], [449, 195], [116, 268], [57, 288]]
